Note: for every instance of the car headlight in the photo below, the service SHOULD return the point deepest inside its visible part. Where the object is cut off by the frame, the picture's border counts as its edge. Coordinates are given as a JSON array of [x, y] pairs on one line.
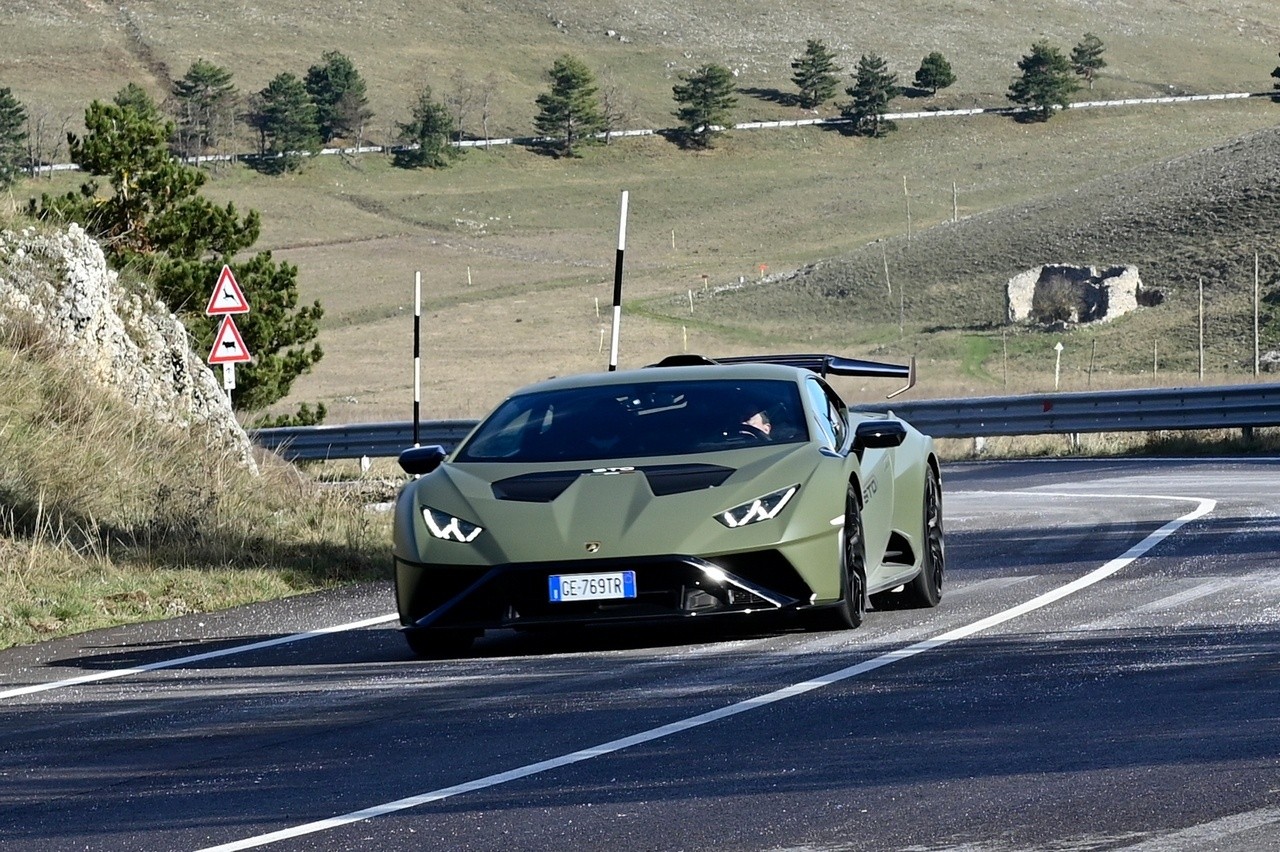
[[447, 527], [759, 509]]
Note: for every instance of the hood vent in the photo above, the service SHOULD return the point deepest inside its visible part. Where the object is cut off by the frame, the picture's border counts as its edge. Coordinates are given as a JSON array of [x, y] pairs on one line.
[[536, 487], [679, 478], [662, 479]]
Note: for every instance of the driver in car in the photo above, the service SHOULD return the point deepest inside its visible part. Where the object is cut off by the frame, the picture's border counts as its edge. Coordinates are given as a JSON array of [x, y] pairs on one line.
[[760, 421]]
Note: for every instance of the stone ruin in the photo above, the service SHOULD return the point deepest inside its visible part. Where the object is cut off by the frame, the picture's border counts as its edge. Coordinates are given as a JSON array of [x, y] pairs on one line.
[[131, 346], [1062, 294]]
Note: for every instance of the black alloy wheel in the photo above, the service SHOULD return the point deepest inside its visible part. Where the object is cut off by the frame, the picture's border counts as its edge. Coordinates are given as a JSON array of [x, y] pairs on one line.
[[848, 614], [926, 589]]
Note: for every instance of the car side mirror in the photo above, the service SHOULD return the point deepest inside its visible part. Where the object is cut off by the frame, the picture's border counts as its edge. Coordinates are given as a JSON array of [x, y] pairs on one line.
[[879, 435], [421, 460]]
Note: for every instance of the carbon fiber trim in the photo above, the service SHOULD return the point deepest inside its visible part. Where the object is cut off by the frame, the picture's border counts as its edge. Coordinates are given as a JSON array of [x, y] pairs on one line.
[[668, 587]]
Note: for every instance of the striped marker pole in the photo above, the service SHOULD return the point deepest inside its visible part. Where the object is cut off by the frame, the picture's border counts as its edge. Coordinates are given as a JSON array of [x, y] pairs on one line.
[[617, 284], [417, 353]]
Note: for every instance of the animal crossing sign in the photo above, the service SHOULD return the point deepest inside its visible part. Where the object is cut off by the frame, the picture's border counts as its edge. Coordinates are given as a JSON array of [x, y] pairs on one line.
[[227, 296], [228, 346]]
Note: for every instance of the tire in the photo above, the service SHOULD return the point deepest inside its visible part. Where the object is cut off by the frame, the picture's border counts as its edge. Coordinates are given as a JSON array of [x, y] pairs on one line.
[[926, 589], [437, 644], [848, 614]]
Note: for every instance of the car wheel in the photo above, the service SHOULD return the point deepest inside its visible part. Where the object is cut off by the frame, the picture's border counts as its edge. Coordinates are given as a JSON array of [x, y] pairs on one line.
[[435, 644], [926, 589], [853, 573]]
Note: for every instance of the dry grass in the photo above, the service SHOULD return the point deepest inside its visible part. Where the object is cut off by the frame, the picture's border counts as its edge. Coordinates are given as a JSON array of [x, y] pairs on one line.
[[107, 518], [1219, 442]]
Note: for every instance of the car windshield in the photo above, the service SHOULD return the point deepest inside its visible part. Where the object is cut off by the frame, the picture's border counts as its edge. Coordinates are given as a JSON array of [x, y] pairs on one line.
[[642, 419]]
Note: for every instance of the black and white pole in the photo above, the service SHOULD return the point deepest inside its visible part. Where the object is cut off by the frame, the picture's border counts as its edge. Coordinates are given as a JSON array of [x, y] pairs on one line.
[[417, 353], [617, 284]]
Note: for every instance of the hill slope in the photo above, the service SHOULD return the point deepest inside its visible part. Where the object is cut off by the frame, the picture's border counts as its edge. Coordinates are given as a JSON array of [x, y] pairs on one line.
[[516, 247], [59, 54], [1199, 216]]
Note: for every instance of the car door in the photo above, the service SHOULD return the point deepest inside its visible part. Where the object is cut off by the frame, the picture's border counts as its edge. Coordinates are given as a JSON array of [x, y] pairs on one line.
[[876, 469]]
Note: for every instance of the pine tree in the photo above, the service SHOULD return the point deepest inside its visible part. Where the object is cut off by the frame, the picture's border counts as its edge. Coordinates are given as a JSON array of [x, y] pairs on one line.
[[1047, 80], [126, 142], [872, 90], [430, 129], [285, 118], [1086, 58], [934, 73], [570, 110], [815, 74], [135, 98], [206, 105], [706, 101], [155, 221], [13, 138], [339, 93]]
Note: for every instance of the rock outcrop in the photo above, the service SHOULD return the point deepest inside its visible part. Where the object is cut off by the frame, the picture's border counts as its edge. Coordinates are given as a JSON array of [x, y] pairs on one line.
[[129, 344], [1061, 293]]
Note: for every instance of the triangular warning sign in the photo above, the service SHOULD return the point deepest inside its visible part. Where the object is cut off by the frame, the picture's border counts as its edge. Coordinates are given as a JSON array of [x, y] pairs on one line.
[[227, 296], [228, 345]]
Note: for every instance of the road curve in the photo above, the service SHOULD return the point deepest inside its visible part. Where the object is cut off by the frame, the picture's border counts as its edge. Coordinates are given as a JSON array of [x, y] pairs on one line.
[[1102, 674]]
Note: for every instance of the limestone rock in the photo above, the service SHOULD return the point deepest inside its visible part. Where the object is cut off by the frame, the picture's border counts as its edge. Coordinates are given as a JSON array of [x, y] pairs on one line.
[[1062, 293], [127, 343]]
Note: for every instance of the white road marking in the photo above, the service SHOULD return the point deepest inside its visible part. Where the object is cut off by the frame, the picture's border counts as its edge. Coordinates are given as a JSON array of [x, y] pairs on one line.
[[1203, 590], [1210, 834], [1256, 582], [1203, 507], [989, 584], [195, 658]]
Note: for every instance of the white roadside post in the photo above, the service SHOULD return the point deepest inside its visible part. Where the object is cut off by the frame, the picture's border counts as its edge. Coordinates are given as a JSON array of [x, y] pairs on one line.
[[1057, 364], [617, 282], [228, 346], [417, 352]]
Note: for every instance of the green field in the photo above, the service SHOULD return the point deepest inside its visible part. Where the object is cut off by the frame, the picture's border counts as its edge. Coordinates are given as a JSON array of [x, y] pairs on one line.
[[516, 248]]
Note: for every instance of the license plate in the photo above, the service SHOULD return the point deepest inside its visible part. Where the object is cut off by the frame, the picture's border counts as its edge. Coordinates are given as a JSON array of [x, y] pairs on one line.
[[592, 587]]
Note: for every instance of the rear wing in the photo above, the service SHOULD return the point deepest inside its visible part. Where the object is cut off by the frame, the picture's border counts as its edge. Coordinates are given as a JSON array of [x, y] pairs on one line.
[[823, 365]]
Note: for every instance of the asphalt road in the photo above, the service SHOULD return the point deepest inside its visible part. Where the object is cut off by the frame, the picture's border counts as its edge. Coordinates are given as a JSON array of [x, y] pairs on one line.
[[1103, 673]]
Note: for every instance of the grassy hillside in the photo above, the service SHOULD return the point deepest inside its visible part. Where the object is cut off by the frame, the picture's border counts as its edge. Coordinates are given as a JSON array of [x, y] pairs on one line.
[[62, 53], [1201, 217], [516, 248]]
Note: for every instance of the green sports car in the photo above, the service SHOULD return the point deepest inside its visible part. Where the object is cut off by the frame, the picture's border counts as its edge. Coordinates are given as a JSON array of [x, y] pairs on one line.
[[689, 489]]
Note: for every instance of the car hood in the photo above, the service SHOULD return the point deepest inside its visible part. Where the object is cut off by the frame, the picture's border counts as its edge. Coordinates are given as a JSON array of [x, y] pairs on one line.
[[625, 508]]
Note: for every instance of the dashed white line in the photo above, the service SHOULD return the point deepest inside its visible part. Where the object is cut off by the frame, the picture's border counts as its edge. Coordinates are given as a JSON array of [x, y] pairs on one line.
[[1203, 507]]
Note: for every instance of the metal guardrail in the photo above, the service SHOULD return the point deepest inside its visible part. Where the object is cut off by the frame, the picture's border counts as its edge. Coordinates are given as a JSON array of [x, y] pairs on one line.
[[1223, 407], [355, 440]]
